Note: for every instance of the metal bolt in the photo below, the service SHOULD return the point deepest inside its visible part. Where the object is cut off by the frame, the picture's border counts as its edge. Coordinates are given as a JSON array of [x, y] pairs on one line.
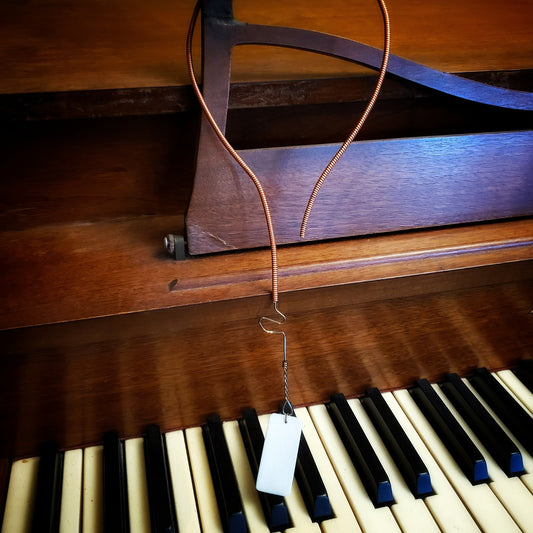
[[175, 246], [170, 242]]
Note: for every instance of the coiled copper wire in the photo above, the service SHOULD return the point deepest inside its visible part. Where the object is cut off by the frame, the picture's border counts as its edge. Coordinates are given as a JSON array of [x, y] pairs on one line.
[[249, 171], [235, 155], [357, 129]]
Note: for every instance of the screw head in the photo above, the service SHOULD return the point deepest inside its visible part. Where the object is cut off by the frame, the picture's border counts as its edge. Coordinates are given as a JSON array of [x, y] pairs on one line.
[[169, 242]]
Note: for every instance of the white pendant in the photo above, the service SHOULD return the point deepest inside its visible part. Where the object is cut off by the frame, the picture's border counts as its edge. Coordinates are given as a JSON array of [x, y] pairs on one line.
[[280, 451]]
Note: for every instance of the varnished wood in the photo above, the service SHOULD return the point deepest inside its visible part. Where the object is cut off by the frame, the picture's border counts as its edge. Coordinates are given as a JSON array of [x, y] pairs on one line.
[[70, 45], [100, 329], [80, 171], [67, 273], [244, 95], [377, 186], [176, 366], [127, 166]]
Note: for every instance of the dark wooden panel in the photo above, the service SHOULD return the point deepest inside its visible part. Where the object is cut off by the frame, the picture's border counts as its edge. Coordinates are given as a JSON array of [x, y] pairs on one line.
[[243, 96], [377, 186], [394, 117], [399, 186], [76, 171]]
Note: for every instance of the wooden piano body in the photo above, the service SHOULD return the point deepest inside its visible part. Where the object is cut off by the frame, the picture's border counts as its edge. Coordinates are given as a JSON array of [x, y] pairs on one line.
[[101, 329]]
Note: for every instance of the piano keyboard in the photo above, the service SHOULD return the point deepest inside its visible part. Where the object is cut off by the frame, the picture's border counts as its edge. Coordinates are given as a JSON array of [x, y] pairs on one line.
[[456, 456]]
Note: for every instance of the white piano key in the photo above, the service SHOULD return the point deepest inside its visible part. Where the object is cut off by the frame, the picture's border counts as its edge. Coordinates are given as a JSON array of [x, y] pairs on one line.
[[479, 499], [138, 506], [93, 490], [70, 514], [301, 521], [445, 505], [182, 486], [369, 517], [205, 492], [517, 388], [410, 513], [245, 479], [345, 519], [511, 492], [20, 500], [527, 459]]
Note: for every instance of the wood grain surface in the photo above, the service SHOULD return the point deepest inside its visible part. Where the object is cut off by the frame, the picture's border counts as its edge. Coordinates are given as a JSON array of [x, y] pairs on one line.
[[377, 186], [72, 381], [101, 329], [66, 45], [68, 273]]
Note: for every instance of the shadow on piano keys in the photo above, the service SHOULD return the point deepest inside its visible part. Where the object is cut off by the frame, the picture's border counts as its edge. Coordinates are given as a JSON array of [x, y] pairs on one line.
[[180, 480]]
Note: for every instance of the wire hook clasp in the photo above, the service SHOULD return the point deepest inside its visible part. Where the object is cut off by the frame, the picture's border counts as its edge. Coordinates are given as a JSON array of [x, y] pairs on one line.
[[287, 408], [279, 321]]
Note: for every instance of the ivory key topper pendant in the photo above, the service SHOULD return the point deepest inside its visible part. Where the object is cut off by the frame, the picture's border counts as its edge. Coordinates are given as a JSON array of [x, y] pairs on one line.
[[280, 451]]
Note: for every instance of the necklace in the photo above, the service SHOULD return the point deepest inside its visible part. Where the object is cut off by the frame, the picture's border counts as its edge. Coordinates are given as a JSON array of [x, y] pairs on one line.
[[280, 450]]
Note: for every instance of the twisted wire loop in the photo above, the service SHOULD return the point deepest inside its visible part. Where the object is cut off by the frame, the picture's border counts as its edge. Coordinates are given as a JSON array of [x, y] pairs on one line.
[[287, 409], [359, 125]]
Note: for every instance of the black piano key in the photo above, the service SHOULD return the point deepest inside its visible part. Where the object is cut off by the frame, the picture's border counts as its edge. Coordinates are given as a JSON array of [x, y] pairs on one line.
[[157, 482], [524, 372], [116, 518], [402, 451], [488, 431], [48, 491], [311, 485], [274, 507], [364, 459], [517, 420], [224, 481], [464, 452]]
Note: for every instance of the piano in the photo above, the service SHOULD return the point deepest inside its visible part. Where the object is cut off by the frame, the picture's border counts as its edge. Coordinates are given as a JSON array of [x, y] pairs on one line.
[[109, 343]]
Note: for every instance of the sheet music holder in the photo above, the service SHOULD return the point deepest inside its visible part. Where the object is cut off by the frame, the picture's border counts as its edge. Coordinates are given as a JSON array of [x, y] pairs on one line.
[[378, 186]]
